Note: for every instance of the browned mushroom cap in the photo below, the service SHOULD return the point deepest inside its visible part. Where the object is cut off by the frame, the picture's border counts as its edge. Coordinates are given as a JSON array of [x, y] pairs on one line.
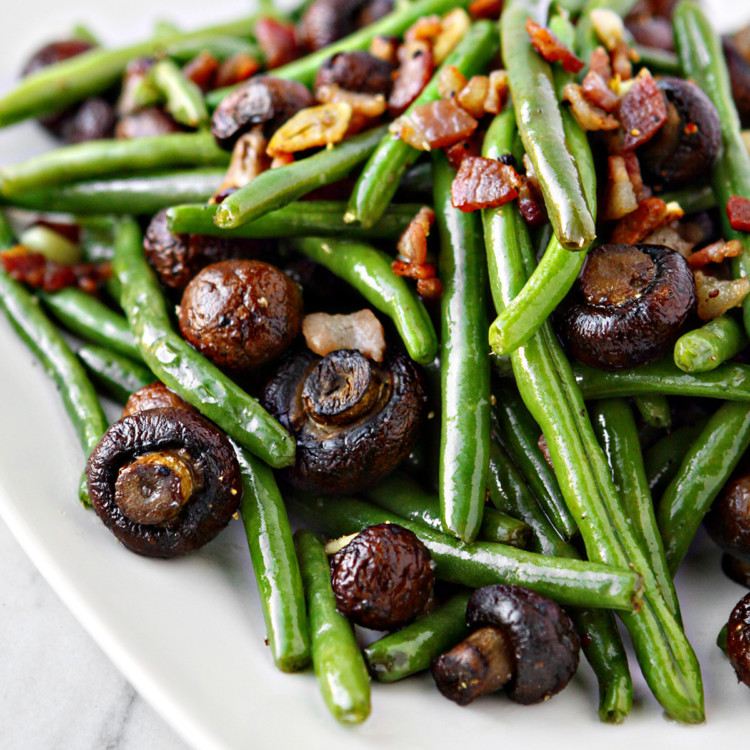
[[738, 639], [521, 639], [383, 578], [628, 305], [154, 396], [685, 149], [356, 71], [739, 74], [164, 481], [263, 100], [326, 21], [146, 123], [728, 520], [241, 313], [354, 420]]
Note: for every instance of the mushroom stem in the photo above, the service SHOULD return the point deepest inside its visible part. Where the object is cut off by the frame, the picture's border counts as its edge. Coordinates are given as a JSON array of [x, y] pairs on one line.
[[481, 664]]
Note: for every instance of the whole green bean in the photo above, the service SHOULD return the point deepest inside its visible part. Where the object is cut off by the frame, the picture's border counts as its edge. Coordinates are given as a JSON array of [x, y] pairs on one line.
[[654, 410], [465, 366], [401, 494], [298, 219], [664, 457], [481, 563], [369, 271], [116, 375], [711, 345], [382, 174], [702, 473], [102, 158], [184, 370], [275, 565], [413, 648], [275, 188], [183, 98], [338, 662]]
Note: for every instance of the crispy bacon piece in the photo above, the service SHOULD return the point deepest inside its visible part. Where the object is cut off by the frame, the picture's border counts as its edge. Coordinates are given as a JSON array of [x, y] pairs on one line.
[[385, 48], [600, 63], [436, 124], [365, 107], [310, 128], [716, 252], [651, 214], [453, 28], [497, 94], [236, 69], [634, 172], [531, 204], [202, 70], [608, 26], [588, 115], [486, 9], [619, 197], [360, 330], [642, 111], [450, 81], [716, 296], [551, 48], [473, 95], [595, 90], [37, 271], [412, 245], [459, 151], [431, 289], [414, 270], [621, 57], [278, 42], [424, 29], [414, 73], [738, 213], [484, 183]]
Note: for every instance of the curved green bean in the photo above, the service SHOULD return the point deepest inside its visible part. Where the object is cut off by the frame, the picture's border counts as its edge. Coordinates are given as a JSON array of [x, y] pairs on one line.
[[711, 345], [183, 99], [116, 375]]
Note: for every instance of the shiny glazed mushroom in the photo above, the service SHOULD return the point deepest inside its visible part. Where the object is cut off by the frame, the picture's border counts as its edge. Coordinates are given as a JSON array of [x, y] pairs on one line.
[[354, 420], [738, 639], [728, 520], [356, 71], [628, 305], [164, 481]]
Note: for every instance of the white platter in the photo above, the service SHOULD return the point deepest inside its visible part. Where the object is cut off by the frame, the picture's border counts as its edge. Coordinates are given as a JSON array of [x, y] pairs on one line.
[[189, 634]]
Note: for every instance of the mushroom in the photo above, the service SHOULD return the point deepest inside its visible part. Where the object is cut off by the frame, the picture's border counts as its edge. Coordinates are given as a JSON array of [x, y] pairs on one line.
[[154, 396], [164, 481], [685, 149], [728, 520], [628, 305], [354, 420], [383, 577], [356, 71], [739, 75], [736, 569], [326, 21], [262, 100], [738, 639], [146, 123], [241, 313], [521, 640]]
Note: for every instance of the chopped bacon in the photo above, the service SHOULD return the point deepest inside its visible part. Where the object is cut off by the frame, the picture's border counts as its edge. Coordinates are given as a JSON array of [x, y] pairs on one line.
[[450, 81], [619, 197], [415, 71], [278, 42], [202, 70], [671, 238], [486, 9], [385, 48], [473, 95], [634, 172], [282, 160], [484, 183], [608, 26], [436, 124], [551, 48], [360, 330], [310, 128], [716, 296], [651, 214], [236, 69], [531, 204], [459, 151], [716, 252], [497, 94], [365, 107], [621, 61], [424, 29], [37, 271], [412, 245], [588, 115], [738, 213], [600, 63], [643, 111], [594, 88], [414, 270], [431, 289], [453, 28]]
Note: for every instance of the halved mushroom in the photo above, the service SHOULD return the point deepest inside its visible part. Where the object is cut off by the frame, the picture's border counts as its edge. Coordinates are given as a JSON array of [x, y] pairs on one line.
[[354, 420], [164, 481], [728, 520], [521, 639], [627, 306], [383, 577]]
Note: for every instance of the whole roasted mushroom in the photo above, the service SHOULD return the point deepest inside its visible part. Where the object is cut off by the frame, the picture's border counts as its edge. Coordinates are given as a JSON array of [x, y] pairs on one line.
[[356, 71], [738, 639], [164, 481], [383, 577], [521, 640], [326, 21], [155, 396], [354, 419], [728, 520], [628, 305]]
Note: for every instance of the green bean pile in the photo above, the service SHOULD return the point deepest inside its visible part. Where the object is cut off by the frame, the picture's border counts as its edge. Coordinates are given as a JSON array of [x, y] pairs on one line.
[[533, 468]]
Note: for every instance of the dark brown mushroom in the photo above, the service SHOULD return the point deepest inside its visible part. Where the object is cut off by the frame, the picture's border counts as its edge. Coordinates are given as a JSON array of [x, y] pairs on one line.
[[354, 420], [628, 305], [164, 481], [521, 639], [356, 71], [263, 100], [686, 147], [739, 75], [146, 123], [728, 520], [383, 577], [738, 639], [154, 396], [241, 313], [326, 21], [736, 570]]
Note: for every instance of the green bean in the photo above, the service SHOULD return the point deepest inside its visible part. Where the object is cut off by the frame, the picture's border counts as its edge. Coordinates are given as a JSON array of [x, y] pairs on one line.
[[116, 375], [338, 662], [711, 345], [654, 410], [92, 320], [369, 272], [222, 47], [102, 158], [658, 61], [183, 98], [382, 174], [549, 390], [396, 23], [276, 188], [275, 565], [702, 473], [700, 52], [184, 370], [84, 34], [299, 219], [401, 494], [721, 638], [414, 648], [692, 200], [586, 39], [614, 425], [544, 138], [417, 179], [664, 457], [481, 563], [55, 87], [465, 367], [51, 244]]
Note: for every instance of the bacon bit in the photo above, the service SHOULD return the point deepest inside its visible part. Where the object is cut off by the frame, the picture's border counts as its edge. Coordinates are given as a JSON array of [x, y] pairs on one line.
[[651, 214], [551, 48], [600, 64], [278, 42], [594, 88], [414, 270], [436, 124], [621, 61], [282, 160], [385, 48], [670, 237], [483, 183], [619, 197], [715, 296], [473, 96], [486, 9], [531, 204], [412, 245], [39, 272], [365, 107], [634, 172], [453, 28], [450, 81], [608, 26], [424, 29], [459, 151], [415, 71], [716, 252], [642, 111], [497, 94], [323, 125], [588, 116], [360, 330], [430, 289], [249, 159], [738, 213], [236, 69], [202, 70]]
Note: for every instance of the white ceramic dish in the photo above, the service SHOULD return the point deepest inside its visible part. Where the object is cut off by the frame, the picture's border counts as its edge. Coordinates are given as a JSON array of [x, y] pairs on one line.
[[189, 633]]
